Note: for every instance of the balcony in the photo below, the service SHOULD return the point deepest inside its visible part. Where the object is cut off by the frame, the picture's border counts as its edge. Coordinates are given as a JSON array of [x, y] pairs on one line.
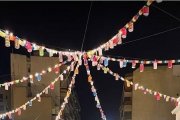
[[127, 108]]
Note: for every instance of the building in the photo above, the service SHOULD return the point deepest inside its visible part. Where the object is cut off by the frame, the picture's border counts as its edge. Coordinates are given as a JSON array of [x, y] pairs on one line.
[[22, 66], [126, 101], [4, 100], [137, 106]]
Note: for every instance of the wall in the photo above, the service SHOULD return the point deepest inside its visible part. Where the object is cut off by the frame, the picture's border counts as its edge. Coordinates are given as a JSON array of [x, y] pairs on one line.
[[36, 112], [145, 107]]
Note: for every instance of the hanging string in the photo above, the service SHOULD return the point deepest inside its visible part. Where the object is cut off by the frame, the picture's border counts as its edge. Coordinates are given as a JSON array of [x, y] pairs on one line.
[[152, 35], [171, 15], [84, 36]]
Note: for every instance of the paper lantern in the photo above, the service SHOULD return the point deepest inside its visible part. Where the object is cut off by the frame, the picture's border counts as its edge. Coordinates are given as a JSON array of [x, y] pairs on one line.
[[106, 62], [46, 91], [30, 103], [19, 112], [111, 45], [135, 18], [119, 38], [23, 43], [24, 107], [38, 77], [89, 78], [158, 97], [61, 77], [100, 51], [105, 70], [60, 57], [170, 64], [116, 76], [7, 41], [145, 10], [115, 40], [16, 43], [50, 52], [98, 67], [94, 61], [155, 64], [39, 97], [72, 66], [3, 116], [28, 46], [121, 63], [131, 27], [141, 67], [52, 86], [9, 115], [56, 69], [133, 64], [124, 63], [149, 2], [107, 46], [76, 71], [123, 32], [6, 86], [41, 51], [128, 83], [136, 86]]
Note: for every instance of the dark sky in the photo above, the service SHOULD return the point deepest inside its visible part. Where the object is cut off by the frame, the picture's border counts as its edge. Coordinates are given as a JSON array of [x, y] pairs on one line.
[[61, 25]]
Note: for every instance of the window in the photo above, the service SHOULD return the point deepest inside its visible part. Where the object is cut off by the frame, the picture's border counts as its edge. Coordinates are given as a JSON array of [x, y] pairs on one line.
[[128, 115], [1, 97]]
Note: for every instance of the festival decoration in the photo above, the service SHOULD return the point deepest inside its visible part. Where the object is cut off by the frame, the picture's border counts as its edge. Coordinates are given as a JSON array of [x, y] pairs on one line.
[[33, 47], [37, 76], [29, 103], [122, 34], [157, 95], [68, 93], [123, 62], [77, 56], [93, 89]]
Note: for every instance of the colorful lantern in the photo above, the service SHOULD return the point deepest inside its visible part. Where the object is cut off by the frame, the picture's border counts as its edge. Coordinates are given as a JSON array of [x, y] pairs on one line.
[[28, 46], [145, 10], [123, 32], [16, 43], [141, 67], [7, 41], [41, 51], [131, 27]]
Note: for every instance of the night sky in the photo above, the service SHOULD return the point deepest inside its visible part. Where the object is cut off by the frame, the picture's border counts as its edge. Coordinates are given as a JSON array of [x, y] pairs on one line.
[[61, 25]]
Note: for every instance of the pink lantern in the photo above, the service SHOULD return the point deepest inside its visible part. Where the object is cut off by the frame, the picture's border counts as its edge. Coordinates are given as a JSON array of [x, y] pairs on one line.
[[28, 46], [145, 10], [141, 67], [123, 32], [52, 86], [170, 64]]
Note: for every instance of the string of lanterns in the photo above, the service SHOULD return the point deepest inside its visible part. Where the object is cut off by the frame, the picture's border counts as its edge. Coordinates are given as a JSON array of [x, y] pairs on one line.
[[37, 76], [122, 34], [158, 95], [123, 62], [18, 110], [77, 55], [93, 89], [18, 42], [68, 93]]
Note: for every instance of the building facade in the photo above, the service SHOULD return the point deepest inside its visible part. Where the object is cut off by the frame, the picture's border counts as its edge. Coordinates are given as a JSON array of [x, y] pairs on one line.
[[48, 108], [126, 101], [146, 107]]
